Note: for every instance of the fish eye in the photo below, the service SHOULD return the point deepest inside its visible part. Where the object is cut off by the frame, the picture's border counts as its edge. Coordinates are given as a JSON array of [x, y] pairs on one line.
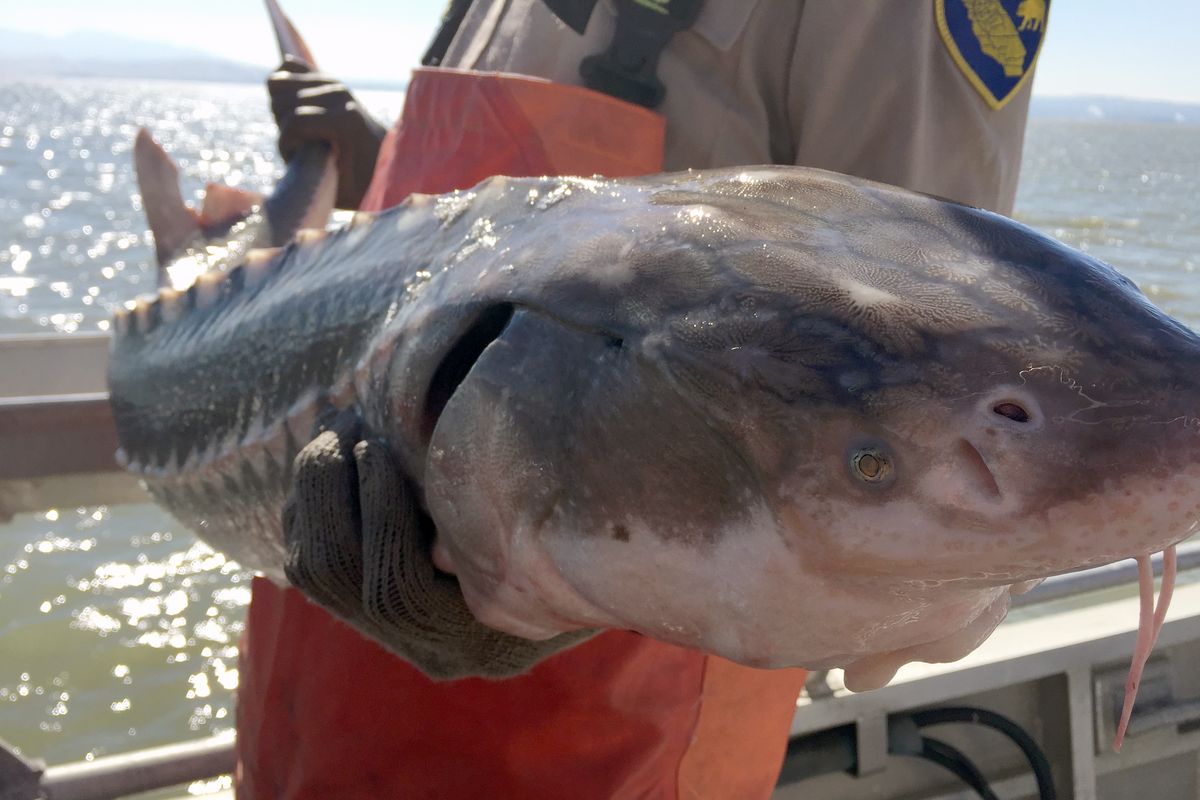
[[1014, 411], [870, 465]]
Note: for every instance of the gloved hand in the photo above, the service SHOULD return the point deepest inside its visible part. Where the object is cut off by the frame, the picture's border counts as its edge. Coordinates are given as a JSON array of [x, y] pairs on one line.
[[310, 106], [358, 545]]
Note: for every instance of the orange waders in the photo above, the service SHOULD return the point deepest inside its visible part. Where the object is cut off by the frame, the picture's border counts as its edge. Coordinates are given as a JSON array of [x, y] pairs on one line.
[[325, 713]]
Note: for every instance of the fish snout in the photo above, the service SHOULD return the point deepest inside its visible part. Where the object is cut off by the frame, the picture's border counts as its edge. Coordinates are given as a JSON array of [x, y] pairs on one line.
[[1097, 473]]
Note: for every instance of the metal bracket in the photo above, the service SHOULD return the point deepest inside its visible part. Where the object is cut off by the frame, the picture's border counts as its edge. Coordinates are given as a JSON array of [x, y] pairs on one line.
[[871, 740]]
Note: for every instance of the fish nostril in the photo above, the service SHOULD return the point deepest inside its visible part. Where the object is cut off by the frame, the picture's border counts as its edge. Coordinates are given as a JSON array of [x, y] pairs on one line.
[[1014, 411]]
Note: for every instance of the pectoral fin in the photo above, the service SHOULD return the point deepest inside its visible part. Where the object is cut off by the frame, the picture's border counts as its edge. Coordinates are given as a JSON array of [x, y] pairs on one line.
[[171, 221]]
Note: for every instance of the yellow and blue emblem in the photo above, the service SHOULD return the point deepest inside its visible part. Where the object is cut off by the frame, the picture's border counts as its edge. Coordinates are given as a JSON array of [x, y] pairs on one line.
[[994, 42]]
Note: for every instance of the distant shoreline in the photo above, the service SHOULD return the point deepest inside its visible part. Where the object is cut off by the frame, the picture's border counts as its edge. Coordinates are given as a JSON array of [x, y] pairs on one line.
[[1123, 109], [1079, 108], [175, 71]]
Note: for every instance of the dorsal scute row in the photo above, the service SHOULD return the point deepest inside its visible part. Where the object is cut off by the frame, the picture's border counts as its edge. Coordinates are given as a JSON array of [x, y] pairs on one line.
[[147, 312]]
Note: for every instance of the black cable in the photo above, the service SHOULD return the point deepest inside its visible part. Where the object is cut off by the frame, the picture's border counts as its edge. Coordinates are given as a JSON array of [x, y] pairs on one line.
[[834, 750], [905, 739], [981, 716], [954, 760]]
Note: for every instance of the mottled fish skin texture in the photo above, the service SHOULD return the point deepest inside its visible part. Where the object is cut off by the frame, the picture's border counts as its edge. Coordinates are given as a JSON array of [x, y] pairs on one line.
[[780, 414]]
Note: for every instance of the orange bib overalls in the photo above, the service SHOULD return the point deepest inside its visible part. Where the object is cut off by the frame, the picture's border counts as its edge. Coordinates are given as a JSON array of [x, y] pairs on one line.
[[323, 713]]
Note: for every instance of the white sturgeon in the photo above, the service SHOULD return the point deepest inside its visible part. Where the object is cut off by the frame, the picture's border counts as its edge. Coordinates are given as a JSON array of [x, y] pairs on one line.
[[783, 415]]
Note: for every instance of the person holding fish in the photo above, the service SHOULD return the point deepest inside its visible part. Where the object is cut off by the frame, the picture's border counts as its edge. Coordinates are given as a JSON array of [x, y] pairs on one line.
[[907, 93]]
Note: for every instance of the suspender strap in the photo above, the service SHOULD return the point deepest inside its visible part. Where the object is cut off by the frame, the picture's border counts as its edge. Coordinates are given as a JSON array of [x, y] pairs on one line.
[[575, 13], [627, 70], [452, 19]]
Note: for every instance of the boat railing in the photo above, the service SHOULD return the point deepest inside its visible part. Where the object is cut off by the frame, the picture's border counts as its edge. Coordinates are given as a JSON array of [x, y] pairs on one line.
[[171, 765], [57, 441], [116, 775]]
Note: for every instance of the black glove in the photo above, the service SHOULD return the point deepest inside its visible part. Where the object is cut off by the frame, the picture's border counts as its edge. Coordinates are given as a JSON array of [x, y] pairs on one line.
[[358, 545], [312, 107]]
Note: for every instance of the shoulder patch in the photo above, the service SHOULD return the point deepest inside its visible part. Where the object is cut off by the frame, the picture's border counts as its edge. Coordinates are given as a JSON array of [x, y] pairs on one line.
[[994, 42]]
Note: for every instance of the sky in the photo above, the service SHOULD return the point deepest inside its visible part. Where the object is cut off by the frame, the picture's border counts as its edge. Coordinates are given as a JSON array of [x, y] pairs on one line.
[[1099, 47]]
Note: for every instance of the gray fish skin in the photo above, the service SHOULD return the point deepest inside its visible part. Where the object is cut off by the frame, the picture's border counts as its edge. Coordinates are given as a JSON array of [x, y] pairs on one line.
[[780, 414]]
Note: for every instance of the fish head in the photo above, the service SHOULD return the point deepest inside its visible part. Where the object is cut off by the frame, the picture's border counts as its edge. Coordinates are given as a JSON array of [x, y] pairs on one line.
[[1018, 411], [799, 419]]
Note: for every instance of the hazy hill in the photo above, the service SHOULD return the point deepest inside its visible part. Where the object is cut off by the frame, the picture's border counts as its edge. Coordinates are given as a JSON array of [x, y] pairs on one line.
[[107, 55], [98, 54], [1114, 108], [177, 69]]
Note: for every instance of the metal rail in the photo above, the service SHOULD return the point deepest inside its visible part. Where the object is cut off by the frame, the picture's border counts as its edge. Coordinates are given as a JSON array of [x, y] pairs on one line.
[[140, 771], [59, 450], [1099, 578], [46, 364], [116, 776], [56, 435], [160, 767], [56, 430]]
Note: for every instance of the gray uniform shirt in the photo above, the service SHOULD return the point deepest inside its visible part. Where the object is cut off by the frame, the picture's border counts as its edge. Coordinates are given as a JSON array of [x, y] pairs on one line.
[[864, 87]]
